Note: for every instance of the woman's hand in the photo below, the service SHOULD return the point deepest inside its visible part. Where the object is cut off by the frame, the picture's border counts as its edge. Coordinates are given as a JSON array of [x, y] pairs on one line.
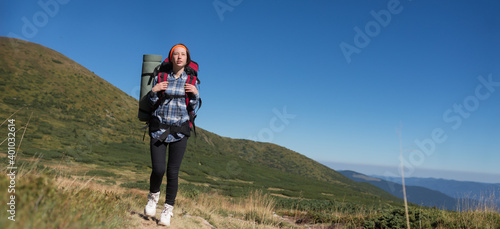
[[190, 88], [160, 87]]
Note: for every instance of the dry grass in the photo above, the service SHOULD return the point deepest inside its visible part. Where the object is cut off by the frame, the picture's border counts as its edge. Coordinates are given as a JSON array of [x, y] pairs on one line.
[[52, 198], [480, 213], [254, 211], [486, 202], [67, 201]]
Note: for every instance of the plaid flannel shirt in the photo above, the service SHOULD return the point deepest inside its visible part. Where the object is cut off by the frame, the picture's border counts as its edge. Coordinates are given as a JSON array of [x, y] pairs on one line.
[[173, 111]]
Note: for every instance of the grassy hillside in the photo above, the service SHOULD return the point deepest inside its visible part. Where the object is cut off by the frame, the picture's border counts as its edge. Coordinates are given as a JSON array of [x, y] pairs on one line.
[[79, 116], [74, 110]]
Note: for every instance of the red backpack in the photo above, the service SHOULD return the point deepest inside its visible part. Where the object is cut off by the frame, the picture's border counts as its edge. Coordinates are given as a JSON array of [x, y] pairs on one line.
[[192, 71]]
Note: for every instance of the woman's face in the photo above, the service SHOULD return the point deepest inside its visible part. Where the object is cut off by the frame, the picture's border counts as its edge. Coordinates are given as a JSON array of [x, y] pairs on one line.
[[179, 57]]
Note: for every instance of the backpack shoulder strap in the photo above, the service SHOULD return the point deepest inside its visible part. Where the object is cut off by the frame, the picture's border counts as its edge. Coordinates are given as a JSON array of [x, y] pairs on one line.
[[192, 79]]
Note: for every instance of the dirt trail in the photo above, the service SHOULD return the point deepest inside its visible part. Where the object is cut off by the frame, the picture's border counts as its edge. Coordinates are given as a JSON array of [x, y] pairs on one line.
[[178, 221]]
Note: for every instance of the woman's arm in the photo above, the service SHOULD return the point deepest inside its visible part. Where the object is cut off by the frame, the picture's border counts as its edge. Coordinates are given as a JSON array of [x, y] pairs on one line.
[[152, 93]]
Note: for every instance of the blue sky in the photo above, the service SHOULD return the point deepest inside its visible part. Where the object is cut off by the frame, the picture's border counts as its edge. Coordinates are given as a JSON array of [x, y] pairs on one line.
[[333, 80]]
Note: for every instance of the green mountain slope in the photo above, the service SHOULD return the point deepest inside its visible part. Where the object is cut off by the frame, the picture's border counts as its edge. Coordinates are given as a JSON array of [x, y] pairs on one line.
[[78, 116]]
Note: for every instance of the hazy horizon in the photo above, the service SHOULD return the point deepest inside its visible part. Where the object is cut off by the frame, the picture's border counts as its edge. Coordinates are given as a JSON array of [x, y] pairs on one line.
[[393, 171]]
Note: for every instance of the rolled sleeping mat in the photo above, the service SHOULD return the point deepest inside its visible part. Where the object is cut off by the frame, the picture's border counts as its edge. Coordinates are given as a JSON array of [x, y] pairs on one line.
[[149, 63]]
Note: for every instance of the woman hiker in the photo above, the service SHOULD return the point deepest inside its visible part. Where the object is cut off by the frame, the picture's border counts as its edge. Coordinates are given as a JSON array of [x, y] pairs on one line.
[[169, 128]]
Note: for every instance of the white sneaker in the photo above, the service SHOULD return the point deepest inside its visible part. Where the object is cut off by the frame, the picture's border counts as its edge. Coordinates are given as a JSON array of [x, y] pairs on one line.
[[150, 209], [166, 214]]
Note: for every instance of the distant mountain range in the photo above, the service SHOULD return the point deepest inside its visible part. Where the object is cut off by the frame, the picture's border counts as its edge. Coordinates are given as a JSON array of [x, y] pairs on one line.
[[440, 193], [415, 194], [460, 190]]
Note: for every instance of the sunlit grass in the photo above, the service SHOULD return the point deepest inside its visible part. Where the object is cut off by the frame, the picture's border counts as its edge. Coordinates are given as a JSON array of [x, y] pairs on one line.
[[50, 198], [44, 200], [47, 198]]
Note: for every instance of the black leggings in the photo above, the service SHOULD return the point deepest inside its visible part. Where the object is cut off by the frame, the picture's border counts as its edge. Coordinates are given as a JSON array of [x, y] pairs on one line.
[[158, 158]]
